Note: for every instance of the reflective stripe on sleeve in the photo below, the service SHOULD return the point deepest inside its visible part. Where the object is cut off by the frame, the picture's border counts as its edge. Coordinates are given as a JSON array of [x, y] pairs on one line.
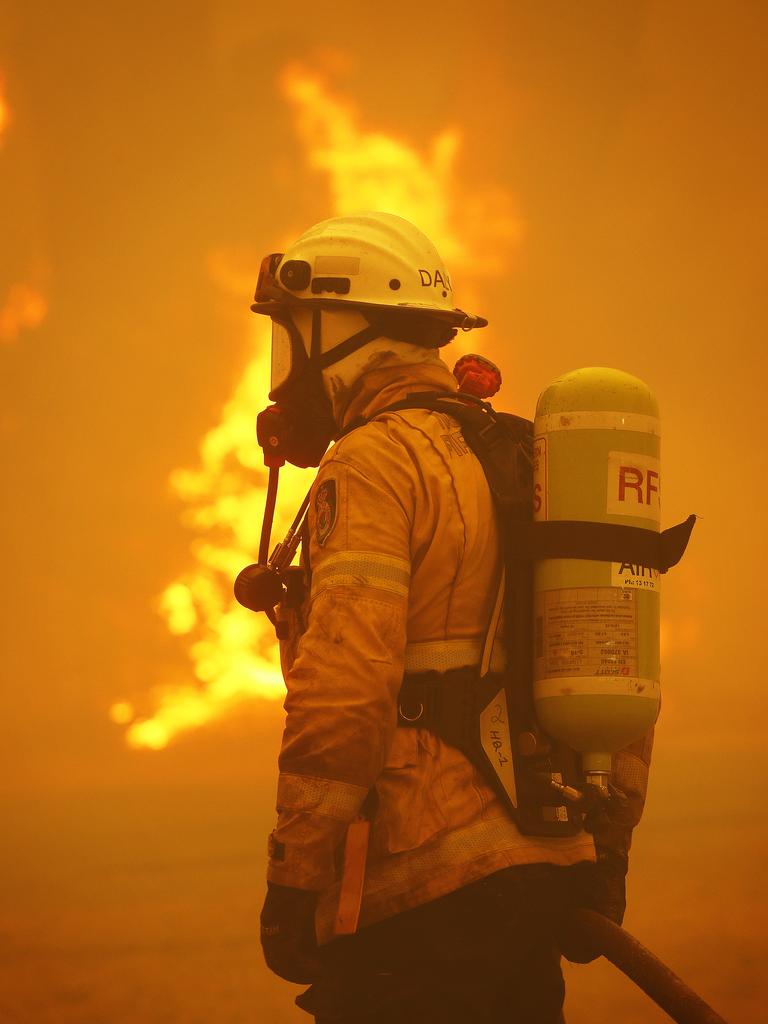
[[332, 799], [368, 569]]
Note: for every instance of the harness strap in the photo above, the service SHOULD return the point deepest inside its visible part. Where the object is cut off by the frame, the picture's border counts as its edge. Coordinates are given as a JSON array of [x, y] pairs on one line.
[[491, 636]]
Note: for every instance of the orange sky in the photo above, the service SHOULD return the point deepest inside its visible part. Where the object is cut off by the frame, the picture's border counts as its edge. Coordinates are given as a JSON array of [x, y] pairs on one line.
[[628, 139]]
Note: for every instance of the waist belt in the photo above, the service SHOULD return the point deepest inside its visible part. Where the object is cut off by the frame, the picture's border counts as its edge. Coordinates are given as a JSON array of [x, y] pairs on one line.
[[447, 703]]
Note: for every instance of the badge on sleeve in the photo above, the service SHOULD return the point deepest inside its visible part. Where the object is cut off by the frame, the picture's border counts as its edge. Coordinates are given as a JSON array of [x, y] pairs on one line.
[[325, 510]]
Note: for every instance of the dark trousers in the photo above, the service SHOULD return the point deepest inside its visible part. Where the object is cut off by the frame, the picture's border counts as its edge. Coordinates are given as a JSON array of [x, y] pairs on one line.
[[481, 955]]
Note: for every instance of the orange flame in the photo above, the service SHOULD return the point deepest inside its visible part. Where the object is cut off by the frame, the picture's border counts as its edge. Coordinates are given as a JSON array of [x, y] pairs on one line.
[[233, 651]]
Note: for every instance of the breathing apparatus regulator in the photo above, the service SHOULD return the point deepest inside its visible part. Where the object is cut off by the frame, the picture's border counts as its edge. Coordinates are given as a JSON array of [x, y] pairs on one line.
[[576, 495]]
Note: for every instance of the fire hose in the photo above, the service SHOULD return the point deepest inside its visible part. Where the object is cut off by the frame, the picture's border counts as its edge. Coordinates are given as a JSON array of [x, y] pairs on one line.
[[640, 965]]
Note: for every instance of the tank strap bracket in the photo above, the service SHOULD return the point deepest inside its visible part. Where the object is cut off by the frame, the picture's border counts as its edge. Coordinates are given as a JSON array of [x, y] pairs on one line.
[[602, 542]]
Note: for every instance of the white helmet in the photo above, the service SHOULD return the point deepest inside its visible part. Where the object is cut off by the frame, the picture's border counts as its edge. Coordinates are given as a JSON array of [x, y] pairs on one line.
[[372, 260], [375, 264]]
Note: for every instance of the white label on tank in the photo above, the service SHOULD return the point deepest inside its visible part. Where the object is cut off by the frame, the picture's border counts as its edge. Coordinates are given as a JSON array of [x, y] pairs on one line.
[[539, 479], [633, 486], [634, 575], [585, 631]]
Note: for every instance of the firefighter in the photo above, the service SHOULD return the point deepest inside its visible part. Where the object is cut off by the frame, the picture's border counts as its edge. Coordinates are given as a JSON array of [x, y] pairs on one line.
[[402, 556]]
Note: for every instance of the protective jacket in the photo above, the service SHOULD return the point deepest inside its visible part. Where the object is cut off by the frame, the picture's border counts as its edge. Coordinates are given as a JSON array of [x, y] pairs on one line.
[[403, 558]]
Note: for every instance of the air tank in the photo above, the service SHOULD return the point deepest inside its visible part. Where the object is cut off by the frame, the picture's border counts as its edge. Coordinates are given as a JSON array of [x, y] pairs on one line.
[[596, 657]]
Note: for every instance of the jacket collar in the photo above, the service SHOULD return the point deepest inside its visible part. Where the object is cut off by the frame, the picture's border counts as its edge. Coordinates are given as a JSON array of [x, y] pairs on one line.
[[388, 384]]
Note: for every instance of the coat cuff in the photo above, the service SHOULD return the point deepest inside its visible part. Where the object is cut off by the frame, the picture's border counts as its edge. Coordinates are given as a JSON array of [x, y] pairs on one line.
[[313, 815]]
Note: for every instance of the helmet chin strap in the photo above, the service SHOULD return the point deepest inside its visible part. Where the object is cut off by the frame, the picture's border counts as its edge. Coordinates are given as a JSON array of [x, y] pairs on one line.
[[322, 360], [414, 329]]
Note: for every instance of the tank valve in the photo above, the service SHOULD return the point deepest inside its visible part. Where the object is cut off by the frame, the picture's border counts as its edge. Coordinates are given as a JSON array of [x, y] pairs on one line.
[[598, 781]]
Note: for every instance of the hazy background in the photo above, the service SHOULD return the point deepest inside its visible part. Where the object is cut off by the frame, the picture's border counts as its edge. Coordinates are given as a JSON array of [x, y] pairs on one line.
[[625, 144]]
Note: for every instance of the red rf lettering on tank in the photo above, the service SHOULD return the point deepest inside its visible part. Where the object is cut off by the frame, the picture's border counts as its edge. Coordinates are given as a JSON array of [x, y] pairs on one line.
[[632, 479], [651, 485], [631, 483]]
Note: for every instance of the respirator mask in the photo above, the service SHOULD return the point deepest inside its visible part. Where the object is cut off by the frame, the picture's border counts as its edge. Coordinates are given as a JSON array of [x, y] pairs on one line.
[[300, 425]]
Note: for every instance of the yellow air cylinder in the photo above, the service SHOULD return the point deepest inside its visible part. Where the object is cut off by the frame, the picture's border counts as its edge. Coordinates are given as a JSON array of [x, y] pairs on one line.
[[596, 658]]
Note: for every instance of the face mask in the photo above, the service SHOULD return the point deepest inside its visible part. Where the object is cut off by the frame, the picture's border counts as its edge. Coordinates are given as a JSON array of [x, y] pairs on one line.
[[282, 354], [300, 426]]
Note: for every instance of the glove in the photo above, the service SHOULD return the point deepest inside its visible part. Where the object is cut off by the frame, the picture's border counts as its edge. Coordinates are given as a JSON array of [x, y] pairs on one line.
[[606, 889], [288, 933], [598, 886]]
